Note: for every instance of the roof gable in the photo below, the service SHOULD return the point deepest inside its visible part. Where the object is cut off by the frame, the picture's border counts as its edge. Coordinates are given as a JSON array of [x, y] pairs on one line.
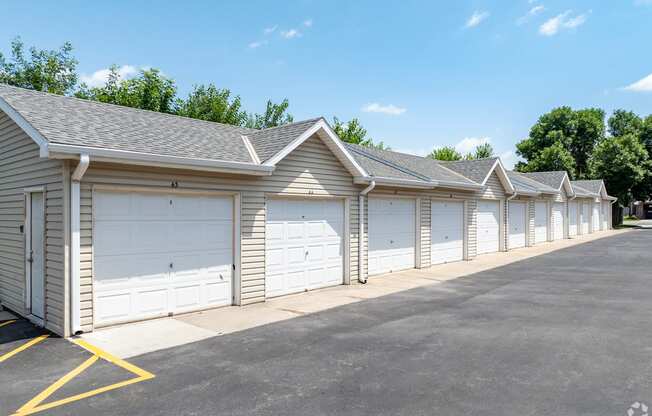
[[480, 170]]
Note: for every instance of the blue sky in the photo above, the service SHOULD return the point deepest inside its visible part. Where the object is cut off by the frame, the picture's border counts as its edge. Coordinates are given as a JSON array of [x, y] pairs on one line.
[[418, 74]]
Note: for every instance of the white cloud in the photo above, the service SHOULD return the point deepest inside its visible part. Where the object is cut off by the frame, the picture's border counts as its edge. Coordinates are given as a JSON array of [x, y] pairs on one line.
[[509, 159], [642, 2], [291, 34], [270, 29], [562, 21], [257, 44], [99, 77], [384, 109], [468, 144], [642, 85], [307, 22], [531, 13], [476, 18]]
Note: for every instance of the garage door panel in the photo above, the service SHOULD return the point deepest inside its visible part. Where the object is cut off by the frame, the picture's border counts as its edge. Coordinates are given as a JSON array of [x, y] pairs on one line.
[[585, 218], [157, 253], [303, 245], [488, 227], [540, 222], [391, 238], [558, 221], [572, 218], [446, 232], [517, 224]]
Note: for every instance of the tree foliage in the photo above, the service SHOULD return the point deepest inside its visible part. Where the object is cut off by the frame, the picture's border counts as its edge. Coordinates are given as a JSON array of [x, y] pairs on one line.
[[482, 151], [275, 115], [575, 131], [554, 157], [353, 132], [51, 71], [445, 153], [207, 102], [150, 90], [624, 122], [623, 163]]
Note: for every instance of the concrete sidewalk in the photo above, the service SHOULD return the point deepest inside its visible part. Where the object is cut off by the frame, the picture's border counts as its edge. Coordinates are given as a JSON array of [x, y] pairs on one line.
[[142, 337]]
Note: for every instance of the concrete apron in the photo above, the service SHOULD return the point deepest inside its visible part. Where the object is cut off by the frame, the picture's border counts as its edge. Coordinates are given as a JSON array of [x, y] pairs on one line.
[[138, 338]]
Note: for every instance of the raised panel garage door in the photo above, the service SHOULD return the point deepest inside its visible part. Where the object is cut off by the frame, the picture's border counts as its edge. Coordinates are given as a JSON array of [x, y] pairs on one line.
[[605, 215], [303, 245], [585, 218], [447, 231], [557, 221], [517, 221], [572, 218], [595, 217], [391, 238], [488, 227], [540, 222], [156, 254]]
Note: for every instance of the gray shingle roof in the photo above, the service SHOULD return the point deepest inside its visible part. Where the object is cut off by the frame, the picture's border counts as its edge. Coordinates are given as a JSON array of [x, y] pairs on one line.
[[524, 183], [420, 167], [376, 166], [269, 142], [78, 122], [592, 186], [553, 179], [581, 192], [476, 170]]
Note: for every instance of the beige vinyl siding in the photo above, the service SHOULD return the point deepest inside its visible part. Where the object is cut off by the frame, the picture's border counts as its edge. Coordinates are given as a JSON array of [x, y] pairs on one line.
[[20, 168], [493, 188], [472, 229], [425, 221], [530, 222], [310, 170]]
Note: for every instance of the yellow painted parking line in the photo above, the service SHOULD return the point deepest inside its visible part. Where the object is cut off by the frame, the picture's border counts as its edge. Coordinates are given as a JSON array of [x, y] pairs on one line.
[[35, 405], [7, 323], [22, 347]]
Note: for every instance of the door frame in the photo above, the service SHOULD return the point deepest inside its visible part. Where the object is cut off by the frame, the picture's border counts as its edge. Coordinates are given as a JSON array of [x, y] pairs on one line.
[[236, 285], [465, 227], [27, 232], [417, 225]]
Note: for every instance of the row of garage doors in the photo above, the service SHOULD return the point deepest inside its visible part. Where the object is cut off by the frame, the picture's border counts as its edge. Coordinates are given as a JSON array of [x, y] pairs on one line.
[[157, 254]]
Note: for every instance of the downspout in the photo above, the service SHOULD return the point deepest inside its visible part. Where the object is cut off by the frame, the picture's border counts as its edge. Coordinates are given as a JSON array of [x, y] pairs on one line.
[[75, 245], [361, 247]]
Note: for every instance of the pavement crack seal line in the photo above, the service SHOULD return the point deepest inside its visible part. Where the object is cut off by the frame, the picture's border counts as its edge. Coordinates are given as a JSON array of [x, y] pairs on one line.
[[23, 347], [35, 405]]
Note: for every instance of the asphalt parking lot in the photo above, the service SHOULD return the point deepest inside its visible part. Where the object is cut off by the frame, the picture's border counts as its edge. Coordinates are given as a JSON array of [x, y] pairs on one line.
[[565, 333]]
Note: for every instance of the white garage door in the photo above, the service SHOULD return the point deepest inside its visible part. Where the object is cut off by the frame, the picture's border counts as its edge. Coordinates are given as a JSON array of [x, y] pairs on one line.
[[595, 217], [540, 222], [303, 245], [157, 254], [605, 215], [447, 231], [585, 217], [572, 218], [391, 234], [488, 227], [557, 221], [517, 222]]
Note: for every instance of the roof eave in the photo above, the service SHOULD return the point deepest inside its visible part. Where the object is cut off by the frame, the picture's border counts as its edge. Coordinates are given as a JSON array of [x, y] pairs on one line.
[[63, 151], [405, 183]]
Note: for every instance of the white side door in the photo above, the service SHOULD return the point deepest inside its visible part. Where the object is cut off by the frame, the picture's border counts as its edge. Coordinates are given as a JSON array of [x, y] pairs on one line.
[[158, 253], [447, 231], [488, 231], [572, 218], [595, 217], [303, 245], [585, 218], [558, 221], [392, 234], [36, 254], [517, 224], [540, 222]]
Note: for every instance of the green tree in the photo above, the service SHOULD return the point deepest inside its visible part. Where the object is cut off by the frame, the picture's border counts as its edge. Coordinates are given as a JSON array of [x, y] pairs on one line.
[[150, 90], [554, 157], [483, 151], [646, 134], [51, 71], [445, 153], [353, 132], [624, 122], [275, 115], [624, 165], [575, 131], [207, 102]]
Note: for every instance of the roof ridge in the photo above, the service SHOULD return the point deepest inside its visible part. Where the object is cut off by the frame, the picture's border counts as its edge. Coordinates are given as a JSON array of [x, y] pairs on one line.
[[100, 103], [315, 119], [357, 149]]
